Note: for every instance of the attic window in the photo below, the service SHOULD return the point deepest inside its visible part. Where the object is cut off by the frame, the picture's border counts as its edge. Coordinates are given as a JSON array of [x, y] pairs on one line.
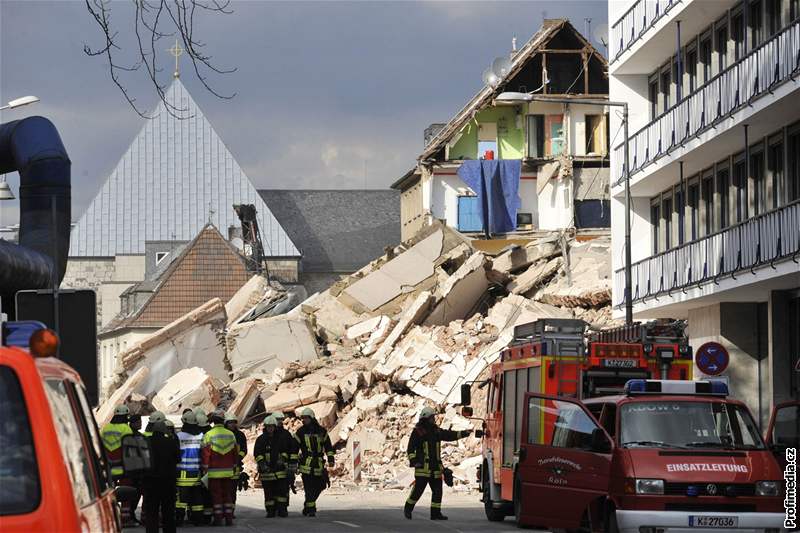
[[160, 256]]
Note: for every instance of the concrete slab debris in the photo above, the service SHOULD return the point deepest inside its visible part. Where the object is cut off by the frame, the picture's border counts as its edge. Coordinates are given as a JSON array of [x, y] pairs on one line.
[[104, 412], [535, 275], [247, 394], [250, 294], [257, 348], [325, 412], [459, 294], [188, 388], [289, 399]]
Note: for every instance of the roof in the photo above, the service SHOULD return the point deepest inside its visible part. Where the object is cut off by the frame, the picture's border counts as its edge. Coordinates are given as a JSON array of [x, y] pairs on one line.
[[176, 176], [550, 27], [407, 180], [338, 230], [208, 267]]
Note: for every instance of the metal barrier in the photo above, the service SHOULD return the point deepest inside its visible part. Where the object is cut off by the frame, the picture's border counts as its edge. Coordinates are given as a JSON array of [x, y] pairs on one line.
[[759, 72], [759, 241], [635, 22]]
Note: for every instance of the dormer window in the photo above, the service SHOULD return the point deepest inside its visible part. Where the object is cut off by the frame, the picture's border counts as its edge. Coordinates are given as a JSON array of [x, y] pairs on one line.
[[160, 256]]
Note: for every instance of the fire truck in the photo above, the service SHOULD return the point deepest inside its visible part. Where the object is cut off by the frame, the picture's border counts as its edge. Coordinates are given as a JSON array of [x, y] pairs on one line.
[[556, 357]]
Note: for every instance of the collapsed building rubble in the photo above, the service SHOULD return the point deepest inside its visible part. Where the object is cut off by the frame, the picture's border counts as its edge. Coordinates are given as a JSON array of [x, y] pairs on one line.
[[365, 355]]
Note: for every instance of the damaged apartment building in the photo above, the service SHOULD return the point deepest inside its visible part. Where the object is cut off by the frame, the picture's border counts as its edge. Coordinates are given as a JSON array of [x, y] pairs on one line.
[[551, 157]]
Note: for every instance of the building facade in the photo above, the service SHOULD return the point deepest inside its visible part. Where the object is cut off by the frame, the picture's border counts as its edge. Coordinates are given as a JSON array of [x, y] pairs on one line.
[[714, 158], [563, 147]]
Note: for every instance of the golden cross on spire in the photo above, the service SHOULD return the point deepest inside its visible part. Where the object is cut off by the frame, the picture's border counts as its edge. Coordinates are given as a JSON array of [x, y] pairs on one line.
[[176, 51]]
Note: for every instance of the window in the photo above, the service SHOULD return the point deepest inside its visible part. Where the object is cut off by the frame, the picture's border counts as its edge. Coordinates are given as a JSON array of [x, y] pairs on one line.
[[722, 48], [653, 96], [666, 85], [509, 416], [535, 135], [737, 34], [679, 208], [666, 216], [20, 489], [705, 59], [708, 205], [573, 427], [595, 134], [794, 9], [102, 469], [693, 203], [487, 139], [793, 186], [759, 183], [756, 24], [160, 256], [740, 183], [773, 8], [778, 176], [785, 432], [469, 214], [724, 192], [69, 437], [655, 223], [691, 69]]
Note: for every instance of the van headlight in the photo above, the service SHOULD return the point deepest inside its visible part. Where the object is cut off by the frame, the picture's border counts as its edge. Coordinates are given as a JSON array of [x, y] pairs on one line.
[[767, 488], [649, 486]]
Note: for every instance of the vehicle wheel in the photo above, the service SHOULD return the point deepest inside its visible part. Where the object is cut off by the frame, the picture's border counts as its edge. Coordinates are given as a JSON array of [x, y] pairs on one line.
[[518, 504], [492, 514]]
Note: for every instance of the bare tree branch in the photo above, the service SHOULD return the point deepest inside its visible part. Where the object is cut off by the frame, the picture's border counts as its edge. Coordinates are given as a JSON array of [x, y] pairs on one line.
[[155, 20]]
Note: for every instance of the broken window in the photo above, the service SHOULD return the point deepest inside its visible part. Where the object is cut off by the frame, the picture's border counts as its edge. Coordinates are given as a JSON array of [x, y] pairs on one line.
[[554, 135], [536, 136], [487, 139], [595, 135]]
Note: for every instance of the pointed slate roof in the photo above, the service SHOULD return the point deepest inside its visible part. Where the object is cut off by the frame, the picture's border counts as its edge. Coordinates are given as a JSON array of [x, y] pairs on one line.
[[162, 188]]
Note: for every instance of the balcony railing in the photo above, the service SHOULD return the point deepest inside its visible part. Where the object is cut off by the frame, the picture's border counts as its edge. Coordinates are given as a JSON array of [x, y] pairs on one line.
[[635, 22], [759, 72], [757, 242]]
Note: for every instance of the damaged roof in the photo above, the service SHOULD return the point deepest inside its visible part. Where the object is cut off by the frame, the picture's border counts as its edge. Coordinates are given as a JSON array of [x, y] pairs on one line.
[[337, 230], [208, 267], [549, 29]]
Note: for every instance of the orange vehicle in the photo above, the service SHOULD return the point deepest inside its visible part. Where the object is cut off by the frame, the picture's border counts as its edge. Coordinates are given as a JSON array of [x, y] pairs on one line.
[[53, 471], [554, 357]]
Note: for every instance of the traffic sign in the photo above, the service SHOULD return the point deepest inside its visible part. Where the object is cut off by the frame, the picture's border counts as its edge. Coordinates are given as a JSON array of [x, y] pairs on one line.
[[712, 358]]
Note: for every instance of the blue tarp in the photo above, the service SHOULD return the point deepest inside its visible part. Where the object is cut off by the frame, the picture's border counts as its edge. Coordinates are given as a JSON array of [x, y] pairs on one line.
[[496, 182]]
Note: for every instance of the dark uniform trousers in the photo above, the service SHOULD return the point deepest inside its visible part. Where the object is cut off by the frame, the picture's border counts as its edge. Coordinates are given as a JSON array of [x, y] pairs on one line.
[[312, 487], [420, 482], [275, 494], [159, 501]]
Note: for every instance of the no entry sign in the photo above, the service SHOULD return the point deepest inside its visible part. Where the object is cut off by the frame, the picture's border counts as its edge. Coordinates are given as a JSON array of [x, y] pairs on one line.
[[712, 358]]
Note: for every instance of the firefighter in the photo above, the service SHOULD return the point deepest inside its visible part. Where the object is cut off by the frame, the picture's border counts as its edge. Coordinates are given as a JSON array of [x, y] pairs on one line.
[[154, 418], [293, 455], [232, 423], [219, 456], [271, 452], [314, 445], [424, 455], [159, 482], [111, 435], [190, 496], [203, 425]]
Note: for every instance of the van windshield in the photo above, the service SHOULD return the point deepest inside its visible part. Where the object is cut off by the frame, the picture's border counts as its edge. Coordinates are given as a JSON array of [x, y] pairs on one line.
[[673, 424]]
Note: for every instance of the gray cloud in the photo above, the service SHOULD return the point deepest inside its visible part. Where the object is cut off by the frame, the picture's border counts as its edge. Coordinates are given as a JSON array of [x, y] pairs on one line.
[[321, 87]]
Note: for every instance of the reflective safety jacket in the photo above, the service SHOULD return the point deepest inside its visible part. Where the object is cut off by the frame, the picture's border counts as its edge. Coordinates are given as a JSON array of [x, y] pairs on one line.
[[111, 435], [219, 452], [189, 465], [425, 450], [272, 454], [314, 446]]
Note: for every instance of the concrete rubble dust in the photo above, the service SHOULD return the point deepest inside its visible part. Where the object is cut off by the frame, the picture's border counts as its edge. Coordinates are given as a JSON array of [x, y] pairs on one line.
[[368, 353]]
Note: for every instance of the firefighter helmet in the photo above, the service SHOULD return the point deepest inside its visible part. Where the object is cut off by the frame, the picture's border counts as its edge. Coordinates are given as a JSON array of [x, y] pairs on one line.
[[279, 415], [122, 410], [230, 417], [426, 412], [202, 419], [188, 418], [156, 416], [308, 412], [270, 421]]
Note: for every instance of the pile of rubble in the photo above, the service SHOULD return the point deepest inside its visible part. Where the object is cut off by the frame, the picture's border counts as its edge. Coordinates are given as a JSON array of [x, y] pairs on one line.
[[368, 353]]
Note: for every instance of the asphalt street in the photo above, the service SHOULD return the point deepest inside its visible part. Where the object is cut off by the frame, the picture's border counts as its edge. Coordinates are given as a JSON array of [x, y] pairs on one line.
[[361, 512]]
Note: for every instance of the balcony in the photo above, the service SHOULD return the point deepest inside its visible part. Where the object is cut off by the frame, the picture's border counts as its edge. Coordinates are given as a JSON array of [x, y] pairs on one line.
[[774, 62], [761, 241], [635, 22]]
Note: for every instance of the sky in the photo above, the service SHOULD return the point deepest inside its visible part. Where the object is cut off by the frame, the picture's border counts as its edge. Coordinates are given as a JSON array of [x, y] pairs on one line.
[[328, 94]]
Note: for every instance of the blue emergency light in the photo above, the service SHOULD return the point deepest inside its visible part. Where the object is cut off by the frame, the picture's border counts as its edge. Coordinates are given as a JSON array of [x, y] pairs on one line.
[[674, 386], [18, 333]]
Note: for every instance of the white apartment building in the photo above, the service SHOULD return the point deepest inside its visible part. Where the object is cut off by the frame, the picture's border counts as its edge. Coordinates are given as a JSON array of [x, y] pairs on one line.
[[714, 93]]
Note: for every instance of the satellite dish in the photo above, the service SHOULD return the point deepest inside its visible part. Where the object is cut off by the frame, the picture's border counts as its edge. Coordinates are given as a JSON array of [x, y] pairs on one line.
[[490, 78], [501, 67], [600, 34]]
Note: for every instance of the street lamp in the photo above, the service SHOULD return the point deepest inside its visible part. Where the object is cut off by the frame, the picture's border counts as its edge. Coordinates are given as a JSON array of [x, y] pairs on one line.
[[516, 98], [19, 102]]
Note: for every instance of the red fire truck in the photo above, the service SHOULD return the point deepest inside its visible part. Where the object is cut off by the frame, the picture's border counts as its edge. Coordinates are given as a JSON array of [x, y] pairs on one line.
[[554, 357]]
